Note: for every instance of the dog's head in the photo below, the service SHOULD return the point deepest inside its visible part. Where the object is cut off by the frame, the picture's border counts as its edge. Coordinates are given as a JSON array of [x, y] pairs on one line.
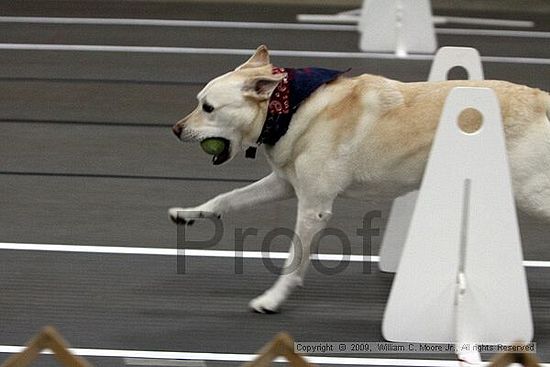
[[232, 107]]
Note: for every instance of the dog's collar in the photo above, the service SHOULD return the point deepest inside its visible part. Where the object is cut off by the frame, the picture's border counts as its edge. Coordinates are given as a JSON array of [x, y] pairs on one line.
[[287, 97]]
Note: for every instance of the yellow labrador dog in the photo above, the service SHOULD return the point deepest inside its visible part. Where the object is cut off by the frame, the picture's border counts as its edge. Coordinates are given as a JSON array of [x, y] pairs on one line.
[[364, 137]]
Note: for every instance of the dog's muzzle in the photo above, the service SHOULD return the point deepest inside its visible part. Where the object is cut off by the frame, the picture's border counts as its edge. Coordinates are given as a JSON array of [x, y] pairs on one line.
[[185, 135]]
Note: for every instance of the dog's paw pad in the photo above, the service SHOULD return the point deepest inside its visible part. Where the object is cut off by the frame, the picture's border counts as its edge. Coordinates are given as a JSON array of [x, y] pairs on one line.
[[177, 215], [265, 304], [262, 310], [266, 311], [188, 216]]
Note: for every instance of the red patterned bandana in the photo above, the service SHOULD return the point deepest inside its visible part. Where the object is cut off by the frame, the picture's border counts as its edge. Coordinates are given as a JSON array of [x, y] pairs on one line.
[[287, 97], [279, 101]]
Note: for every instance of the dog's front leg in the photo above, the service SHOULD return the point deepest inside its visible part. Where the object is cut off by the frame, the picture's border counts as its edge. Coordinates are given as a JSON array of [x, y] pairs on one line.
[[270, 188], [313, 216]]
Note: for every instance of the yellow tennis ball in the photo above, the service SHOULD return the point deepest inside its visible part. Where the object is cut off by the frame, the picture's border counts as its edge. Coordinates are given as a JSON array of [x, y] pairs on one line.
[[213, 146]]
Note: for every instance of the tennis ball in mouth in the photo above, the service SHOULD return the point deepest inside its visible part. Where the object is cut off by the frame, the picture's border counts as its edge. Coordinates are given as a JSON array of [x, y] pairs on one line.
[[213, 146]]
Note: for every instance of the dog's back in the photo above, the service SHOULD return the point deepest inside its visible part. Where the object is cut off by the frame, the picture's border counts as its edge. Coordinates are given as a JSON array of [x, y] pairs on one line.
[[405, 130], [380, 132]]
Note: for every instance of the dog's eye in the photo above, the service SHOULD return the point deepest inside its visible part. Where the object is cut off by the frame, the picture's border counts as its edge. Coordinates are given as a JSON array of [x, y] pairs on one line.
[[207, 107]]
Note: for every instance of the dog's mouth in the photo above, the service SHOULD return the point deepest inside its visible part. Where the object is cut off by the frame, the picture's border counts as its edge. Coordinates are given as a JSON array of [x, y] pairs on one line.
[[219, 148], [224, 155]]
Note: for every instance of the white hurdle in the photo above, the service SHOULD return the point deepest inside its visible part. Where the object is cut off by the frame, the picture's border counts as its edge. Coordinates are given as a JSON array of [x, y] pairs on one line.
[[353, 16], [400, 26], [461, 277], [401, 212]]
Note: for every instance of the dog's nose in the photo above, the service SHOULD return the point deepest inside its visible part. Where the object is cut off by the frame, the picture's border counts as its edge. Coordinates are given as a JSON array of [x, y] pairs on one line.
[[177, 130]]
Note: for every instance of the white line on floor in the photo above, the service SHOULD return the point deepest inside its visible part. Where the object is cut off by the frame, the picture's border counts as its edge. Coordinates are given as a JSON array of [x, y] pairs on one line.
[[178, 23], [234, 357], [484, 21], [492, 33], [231, 52], [173, 252], [163, 362], [199, 253], [252, 25]]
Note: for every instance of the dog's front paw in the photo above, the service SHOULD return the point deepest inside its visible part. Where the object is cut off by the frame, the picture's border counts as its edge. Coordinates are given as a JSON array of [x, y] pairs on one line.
[[188, 215], [177, 215], [268, 302]]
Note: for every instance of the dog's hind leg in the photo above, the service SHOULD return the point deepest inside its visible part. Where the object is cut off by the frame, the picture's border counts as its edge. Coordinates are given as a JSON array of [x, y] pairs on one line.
[[533, 196], [270, 188], [313, 215], [530, 166]]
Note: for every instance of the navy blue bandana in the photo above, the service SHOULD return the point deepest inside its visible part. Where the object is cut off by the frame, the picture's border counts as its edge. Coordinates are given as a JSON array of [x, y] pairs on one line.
[[287, 97]]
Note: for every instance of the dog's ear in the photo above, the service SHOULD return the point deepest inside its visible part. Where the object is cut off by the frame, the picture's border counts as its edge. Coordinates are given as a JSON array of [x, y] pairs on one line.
[[260, 58], [261, 87]]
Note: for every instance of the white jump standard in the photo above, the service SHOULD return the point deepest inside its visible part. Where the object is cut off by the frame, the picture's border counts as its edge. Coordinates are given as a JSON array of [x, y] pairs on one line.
[[461, 277]]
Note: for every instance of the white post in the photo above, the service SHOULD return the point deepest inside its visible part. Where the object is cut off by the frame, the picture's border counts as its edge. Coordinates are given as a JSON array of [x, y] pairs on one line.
[[396, 231], [461, 276], [399, 26], [401, 212]]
